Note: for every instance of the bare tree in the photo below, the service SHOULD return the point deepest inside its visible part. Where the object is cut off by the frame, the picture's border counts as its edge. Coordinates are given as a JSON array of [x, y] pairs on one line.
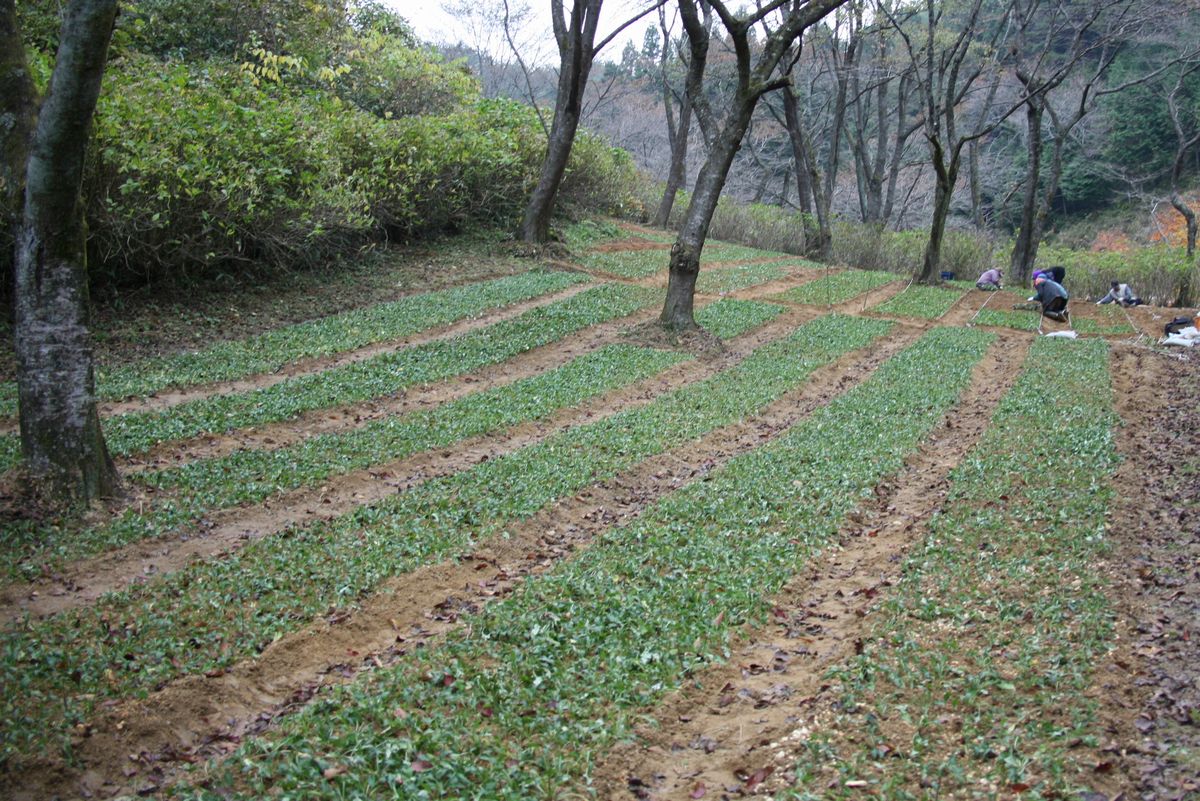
[[61, 440], [679, 123], [19, 113], [837, 50], [1185, 120], [1186, 124], [1052, 41], [881, 126], [577, 51], [948, 66], [756, 75]]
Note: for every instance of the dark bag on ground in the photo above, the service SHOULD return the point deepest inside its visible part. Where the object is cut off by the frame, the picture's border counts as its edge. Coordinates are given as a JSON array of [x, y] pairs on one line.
[[1177, 325]]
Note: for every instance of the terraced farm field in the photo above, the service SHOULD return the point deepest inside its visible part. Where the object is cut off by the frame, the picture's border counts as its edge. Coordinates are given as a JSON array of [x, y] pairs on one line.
[[506, 540]]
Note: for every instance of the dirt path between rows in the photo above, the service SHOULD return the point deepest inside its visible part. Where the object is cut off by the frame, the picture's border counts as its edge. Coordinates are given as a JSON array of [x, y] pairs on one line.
[[1148, 690], [797, 276], [199, 717], [224, 531], [734, 728]]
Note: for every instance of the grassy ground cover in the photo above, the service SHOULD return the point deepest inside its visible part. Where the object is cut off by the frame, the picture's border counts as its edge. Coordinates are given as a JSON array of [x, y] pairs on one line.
[[518, 706], [725, 251], [378, 376], [975, 682], [728, 279], [274, 349], [926, 302], [589, 233], [730, 317], [213, 614], [645, 263], [837, 287], [1020, 320], [1112, 322], [627, 263], [252, 476]]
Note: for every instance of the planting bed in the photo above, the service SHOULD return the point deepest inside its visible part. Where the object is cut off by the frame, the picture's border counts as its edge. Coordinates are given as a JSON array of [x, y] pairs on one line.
[[822, 556], [838, 287], [927, 302]]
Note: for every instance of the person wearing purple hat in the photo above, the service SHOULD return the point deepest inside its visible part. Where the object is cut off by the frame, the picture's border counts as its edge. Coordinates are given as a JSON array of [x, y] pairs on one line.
[[1053, 297]]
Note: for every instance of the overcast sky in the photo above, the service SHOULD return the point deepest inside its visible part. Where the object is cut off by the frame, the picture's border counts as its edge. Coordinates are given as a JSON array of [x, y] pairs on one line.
[[434, 25]]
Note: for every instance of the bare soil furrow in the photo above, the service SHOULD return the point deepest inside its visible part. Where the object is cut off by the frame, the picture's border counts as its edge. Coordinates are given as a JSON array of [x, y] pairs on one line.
[[630, 244], [336, 419], [173, 397], [140, 745], [860, 303], [733, 729], [965, 308], [225, 531], [766, 292], [1146, 691]]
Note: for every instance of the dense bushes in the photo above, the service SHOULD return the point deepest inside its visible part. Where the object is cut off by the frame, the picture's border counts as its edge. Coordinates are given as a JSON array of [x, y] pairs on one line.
[[195, 169], [237, 136], [1158, 274]]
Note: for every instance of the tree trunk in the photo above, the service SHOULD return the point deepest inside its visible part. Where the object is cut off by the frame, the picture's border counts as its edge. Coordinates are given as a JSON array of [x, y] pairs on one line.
[[1189, 218], [677, 310], [18, 112], [61, 439], [1024, 252], [678, 170], [902, 134], [976, 189], [535, 226], [575, 45], [1185, 297], [817, 241], [942, 195]]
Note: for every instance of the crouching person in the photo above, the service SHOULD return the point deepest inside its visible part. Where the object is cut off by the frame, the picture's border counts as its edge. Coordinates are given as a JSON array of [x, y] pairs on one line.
[[1053, 297], [1121, 294], [990, 280]]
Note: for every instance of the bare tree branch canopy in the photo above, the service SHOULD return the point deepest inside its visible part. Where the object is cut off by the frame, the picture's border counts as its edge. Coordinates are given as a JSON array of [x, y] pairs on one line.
[[756, 76], [575, 36]]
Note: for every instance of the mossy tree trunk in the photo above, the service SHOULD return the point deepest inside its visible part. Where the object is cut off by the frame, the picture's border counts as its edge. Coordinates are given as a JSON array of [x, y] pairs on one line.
[[61, 440]]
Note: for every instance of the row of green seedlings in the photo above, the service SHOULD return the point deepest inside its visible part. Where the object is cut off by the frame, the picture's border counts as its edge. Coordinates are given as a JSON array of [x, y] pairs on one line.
[[731, 279], [837, 287], [376, 377], [926, 302], [338, 333], [975, 682], [538, 687], [635, 264], [189, 492], [213, 614], [1112, 321]]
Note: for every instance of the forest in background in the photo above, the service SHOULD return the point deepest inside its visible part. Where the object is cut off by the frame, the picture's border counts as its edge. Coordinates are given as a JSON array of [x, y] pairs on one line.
[[233, 137], [1102, 162]]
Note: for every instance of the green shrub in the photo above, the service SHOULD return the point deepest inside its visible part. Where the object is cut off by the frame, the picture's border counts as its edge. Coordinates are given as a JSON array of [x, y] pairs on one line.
[[194, 170], [1155, 273], [384, 75]]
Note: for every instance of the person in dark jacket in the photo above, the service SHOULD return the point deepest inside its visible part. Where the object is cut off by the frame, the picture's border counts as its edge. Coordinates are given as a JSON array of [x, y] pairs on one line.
[[1053, 297]]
